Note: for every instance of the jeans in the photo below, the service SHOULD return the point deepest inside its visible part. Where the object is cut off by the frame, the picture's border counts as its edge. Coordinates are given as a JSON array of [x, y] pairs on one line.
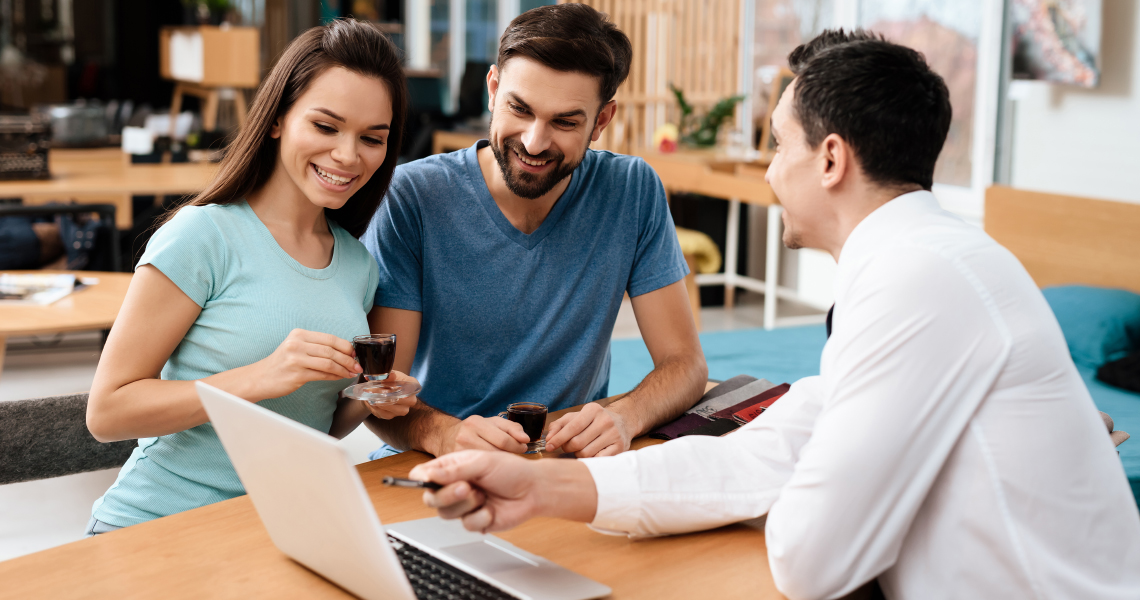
[[19, 246], [95, 527]]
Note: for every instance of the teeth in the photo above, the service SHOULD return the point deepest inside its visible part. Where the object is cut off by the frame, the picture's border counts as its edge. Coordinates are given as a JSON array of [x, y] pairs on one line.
[[334, 179], [533, 163]]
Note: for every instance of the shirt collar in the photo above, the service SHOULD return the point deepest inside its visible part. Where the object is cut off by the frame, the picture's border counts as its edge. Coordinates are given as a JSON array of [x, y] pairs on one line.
[[886, 222]]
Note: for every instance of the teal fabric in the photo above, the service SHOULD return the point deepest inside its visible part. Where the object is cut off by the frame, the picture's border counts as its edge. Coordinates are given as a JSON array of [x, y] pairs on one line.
[[252, 294], [1124, 408], [1100, 324], [780, 355]]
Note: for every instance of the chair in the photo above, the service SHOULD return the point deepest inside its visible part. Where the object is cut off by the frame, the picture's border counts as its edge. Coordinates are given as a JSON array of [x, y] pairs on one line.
[[107, 253], [48, 437], [51, 471]]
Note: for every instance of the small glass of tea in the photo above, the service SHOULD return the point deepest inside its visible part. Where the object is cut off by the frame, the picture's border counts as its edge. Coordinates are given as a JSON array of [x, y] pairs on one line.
[[532, 417], [376, 353]]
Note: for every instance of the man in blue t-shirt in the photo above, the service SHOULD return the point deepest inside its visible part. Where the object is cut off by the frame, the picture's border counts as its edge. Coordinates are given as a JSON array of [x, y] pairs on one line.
[[502, 266]]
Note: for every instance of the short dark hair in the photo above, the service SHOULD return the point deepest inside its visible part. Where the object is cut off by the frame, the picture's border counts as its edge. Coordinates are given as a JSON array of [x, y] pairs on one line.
[[881, 98], [571, 38]]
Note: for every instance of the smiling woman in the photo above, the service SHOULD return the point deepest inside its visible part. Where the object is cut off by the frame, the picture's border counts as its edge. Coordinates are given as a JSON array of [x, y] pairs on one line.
[[255, 285]]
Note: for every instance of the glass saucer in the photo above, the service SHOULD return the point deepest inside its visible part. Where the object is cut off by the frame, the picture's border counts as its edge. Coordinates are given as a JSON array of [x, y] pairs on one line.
[[382, 392]]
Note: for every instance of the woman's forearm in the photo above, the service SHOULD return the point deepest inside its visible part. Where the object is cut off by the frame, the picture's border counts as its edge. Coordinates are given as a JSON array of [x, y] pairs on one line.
[[154, 407]]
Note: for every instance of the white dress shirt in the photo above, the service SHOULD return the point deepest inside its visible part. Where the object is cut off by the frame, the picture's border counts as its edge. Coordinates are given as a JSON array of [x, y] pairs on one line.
[[948, 446]]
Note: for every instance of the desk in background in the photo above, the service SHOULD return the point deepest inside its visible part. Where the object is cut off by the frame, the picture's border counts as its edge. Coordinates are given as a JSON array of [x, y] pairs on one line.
[[103, 175], [94, 307]]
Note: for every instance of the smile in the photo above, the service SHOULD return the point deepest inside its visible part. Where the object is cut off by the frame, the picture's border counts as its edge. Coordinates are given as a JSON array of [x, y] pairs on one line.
[[332, 178], [533, 163]]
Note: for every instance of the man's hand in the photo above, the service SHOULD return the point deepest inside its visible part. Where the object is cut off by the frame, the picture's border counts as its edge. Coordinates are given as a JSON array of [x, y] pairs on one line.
[[492, 491], [483, 433], [592, 431], [400, 407]]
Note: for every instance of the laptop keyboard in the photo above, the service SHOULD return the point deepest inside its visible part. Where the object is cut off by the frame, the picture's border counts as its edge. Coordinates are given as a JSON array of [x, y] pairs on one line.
[[433, 579]]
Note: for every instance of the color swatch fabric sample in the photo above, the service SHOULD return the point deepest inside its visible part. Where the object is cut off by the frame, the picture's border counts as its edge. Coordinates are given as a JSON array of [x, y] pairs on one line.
[[707, 406], [699, 419], [745, 416], [765, 396]]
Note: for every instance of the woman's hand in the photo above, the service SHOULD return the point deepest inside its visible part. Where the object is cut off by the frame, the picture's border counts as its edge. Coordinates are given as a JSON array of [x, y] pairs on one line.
[[304, 356], [401, 406]]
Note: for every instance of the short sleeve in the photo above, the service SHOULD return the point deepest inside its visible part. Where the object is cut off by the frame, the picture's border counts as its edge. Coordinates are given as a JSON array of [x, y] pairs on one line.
[[373, 283], [394, 239], [191, 251], [658, 261]]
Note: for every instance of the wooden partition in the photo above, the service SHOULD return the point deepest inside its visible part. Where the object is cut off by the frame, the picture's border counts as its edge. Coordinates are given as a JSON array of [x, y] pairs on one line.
[[1068, 239], [693, 44]]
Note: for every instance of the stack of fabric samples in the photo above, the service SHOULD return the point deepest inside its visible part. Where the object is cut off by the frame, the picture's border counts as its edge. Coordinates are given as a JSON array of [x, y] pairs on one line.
[[724, 408]]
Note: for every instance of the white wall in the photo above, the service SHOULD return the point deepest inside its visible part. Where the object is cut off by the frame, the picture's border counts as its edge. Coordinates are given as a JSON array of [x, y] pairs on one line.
[[1070, 140]]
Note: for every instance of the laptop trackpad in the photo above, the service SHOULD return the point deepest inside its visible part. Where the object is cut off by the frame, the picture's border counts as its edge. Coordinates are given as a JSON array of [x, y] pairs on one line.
[[486, 557]]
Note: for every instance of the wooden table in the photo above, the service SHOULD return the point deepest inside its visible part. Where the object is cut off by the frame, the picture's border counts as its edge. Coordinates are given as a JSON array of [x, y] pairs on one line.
[[94, 307], [223, 551], [103, 175]]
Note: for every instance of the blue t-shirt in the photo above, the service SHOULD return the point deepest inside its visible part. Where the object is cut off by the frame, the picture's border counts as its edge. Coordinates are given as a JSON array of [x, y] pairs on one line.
[[252, 294], [510, 317]]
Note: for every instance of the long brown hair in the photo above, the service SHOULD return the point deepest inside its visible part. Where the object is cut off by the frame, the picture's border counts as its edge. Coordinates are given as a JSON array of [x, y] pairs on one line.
[[252, 156]]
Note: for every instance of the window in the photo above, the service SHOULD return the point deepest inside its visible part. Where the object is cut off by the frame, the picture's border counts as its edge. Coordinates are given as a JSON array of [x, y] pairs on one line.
[[947, 33]]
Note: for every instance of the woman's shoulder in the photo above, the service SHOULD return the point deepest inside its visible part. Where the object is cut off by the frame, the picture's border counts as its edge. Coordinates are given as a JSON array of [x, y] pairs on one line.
[[207, 216], [353, 249]]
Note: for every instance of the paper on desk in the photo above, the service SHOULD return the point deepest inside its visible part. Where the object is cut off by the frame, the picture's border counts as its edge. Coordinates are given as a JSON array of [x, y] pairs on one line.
[[34, 289]]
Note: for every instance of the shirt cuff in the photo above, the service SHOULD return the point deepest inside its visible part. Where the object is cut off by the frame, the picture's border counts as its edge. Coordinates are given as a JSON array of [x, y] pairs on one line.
[[619, 495]]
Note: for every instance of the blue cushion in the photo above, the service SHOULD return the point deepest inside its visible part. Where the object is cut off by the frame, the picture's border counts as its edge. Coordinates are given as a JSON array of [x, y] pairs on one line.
[[1100, 324]]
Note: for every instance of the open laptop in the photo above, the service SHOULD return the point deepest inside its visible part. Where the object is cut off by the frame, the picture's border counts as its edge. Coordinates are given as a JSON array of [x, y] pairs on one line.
[[311, 500]]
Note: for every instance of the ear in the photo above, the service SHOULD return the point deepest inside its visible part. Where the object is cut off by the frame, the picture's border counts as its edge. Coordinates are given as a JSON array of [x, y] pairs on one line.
[[492, 86], [605, 116], [837, 156], [275, 130]]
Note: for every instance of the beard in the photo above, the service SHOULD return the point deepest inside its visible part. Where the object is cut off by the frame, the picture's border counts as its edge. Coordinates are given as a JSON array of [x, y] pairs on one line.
[[529, 185]]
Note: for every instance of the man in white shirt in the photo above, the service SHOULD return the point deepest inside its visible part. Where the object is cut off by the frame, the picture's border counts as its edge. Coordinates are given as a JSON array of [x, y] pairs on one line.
[[948, 447]]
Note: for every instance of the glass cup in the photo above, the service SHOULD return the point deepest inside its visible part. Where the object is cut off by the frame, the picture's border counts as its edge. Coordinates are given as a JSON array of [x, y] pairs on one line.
[[532, 417], [375, 352]]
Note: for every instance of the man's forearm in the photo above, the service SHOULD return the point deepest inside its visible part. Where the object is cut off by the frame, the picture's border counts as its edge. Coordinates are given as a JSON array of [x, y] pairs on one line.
[[566, 490], [669, 390], [421, 429]]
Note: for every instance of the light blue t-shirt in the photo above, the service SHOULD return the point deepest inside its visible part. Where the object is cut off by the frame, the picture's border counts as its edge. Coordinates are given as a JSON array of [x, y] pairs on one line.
[[252, 294], [510, 317]]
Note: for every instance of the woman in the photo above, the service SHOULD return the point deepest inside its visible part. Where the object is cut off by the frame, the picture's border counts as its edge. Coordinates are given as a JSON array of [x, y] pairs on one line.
[[255, 286]]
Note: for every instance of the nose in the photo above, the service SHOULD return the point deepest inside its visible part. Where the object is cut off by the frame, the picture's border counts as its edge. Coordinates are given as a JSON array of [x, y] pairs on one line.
[[536, 138], [345, 151]]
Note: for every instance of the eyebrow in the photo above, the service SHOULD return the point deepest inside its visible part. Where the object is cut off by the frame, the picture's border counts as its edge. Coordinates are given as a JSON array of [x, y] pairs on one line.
[[341, 119], [578, 112]]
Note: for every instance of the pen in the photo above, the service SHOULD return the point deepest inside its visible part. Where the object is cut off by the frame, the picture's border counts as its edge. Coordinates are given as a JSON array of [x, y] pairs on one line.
[[410, 483]]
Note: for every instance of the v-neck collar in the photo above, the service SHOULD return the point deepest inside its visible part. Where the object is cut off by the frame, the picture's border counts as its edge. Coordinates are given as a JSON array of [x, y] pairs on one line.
[[483, 193]]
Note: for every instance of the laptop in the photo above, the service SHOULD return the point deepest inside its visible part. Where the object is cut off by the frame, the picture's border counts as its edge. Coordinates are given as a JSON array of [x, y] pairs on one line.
[[313, 503]]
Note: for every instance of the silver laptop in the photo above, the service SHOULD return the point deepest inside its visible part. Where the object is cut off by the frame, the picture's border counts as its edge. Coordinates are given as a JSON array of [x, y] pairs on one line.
[[311, 500]]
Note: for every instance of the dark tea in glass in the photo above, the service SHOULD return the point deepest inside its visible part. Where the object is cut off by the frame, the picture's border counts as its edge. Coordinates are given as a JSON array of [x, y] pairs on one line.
[[532, 417], [375, 353]]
